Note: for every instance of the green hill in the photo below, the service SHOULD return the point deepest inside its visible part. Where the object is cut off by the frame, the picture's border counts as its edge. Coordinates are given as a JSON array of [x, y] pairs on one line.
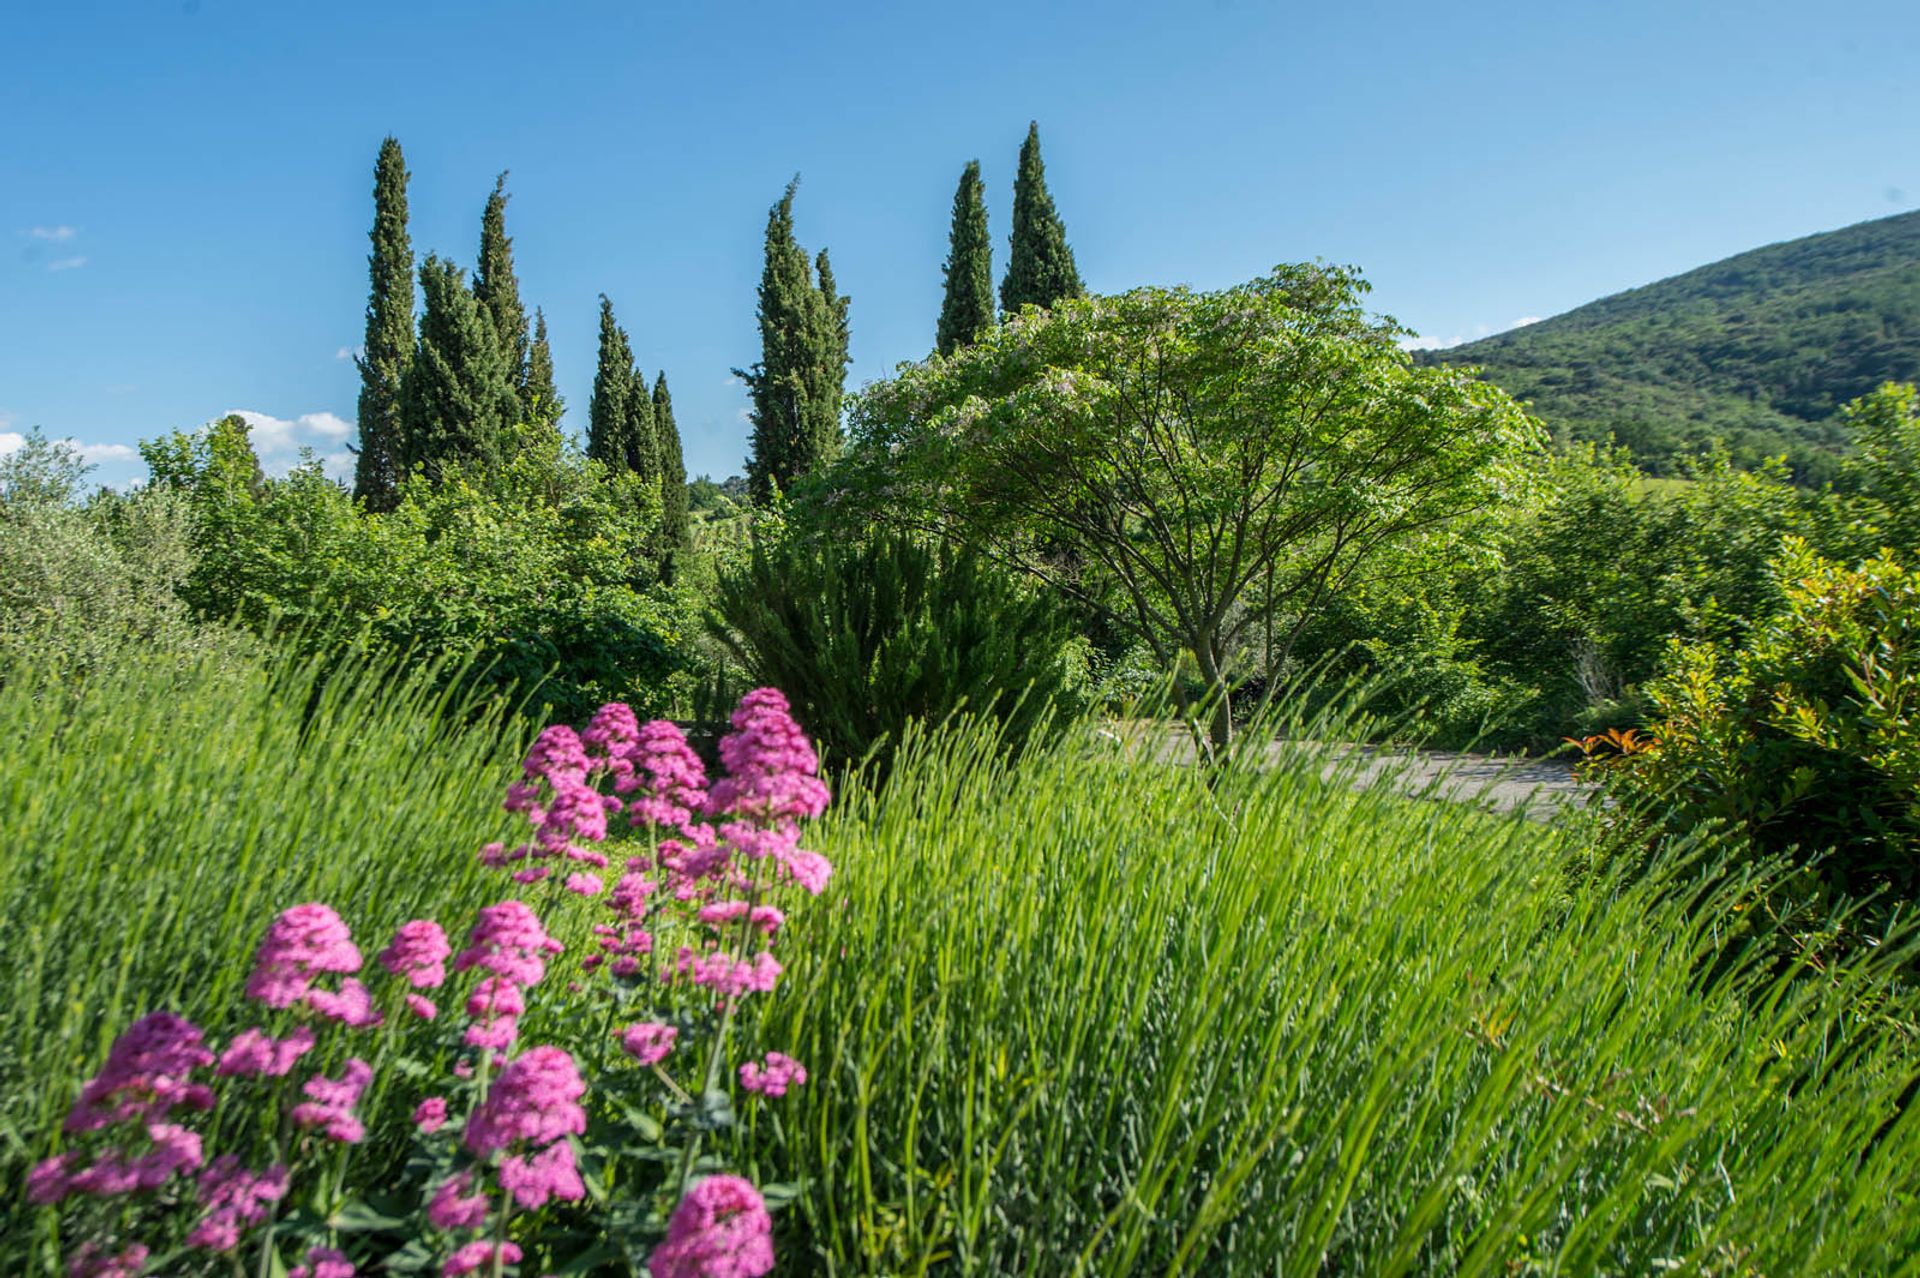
[[1759, 350]]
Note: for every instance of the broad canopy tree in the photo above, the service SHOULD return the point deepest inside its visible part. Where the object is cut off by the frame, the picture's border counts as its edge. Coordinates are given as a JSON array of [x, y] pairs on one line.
[[1194, 466]]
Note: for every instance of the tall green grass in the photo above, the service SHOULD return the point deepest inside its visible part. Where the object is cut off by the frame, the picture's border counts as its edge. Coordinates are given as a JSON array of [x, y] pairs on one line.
[[1088, 1013]]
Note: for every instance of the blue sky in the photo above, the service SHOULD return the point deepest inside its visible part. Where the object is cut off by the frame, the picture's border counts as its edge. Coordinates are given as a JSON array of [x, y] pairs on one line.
[[185, 187]]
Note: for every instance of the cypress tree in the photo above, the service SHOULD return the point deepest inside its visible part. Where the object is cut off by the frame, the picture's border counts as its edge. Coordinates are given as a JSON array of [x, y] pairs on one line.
[[643, 446], [967, 310], [1040, 268], [389, 342], [673, 470], [538, 394], [796, 386], [498, 292], [457, 398], [612, 387]]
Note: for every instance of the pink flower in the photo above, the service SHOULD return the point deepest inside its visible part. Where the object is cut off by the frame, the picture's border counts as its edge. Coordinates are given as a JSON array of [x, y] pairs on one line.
[[323, 1262], [301, 944], [720, 1230], [548, 1174], [669, 775], [772, 771], [534, 1100], [418, 952], [331, 1106], [584, 884], [145, 1075], [649, 1042], [452, 1208], [727, 976], [556, 752], [765, 918], [430, 1115], [50, 1179], [495, 996], [235, 1199], [508, 941], [476, 1254], [422, 1007], [94, 1261], [630, 894], [772, 1079], [612, 733], [252, 1053], [352, 1006]]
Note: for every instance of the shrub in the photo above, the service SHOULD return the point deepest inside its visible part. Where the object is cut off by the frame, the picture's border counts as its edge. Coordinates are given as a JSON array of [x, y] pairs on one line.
[[872, 636]]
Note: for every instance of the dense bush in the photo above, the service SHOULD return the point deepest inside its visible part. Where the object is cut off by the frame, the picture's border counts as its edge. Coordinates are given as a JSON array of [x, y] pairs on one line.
[[868, 636]]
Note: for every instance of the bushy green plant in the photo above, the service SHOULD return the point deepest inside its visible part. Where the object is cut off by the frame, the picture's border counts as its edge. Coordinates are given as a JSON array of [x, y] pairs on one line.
[[870, 636]]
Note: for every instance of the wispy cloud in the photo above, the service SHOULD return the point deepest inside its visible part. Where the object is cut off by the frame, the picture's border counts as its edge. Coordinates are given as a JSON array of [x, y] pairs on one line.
[[350, 352], [10, 441], [57, 234], [66, 263], [278, 440], [94, 454], [1428, 342]]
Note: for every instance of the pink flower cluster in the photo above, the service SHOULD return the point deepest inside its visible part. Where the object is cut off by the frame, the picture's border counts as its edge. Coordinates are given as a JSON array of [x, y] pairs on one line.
[[775, 1077], [670, 780], [649, 1042], [720, 1230], [330, 1101], [94, 1261], [303, 944], [323, 1262], [510, 945], [559, 801], [236, 1199], [529, 1112], [253, 1054]]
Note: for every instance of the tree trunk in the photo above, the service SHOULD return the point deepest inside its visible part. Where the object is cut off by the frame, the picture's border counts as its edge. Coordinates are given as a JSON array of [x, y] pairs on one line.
[[1220, 729]]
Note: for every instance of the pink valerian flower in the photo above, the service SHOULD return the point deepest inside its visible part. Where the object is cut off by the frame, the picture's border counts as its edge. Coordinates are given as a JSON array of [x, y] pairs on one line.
[[508, 941], [51, 1179], [649, 1042], [726, 975], [535, 1101], [772, 771], [775, 1077], [532, 874], [720, 1230], [550, 1173], [556, 752], [352, 1006], [611, 735], [170, 1149], [764, 918], [495, 1006], [687, 862], [304, 943], [584, 884], [236, 1199], [474, 1255], [666, 776], [252, 1053], [453, 1208], [430, 1115], [95, 1261], [421, 1006], [145, 1075], [323, 1262], [418, 952], [332, 1100], [624, 945], [631, 893]]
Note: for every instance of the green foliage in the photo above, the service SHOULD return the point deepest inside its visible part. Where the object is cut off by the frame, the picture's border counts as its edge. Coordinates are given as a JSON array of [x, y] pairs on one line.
[[1040, 269], [498, 293], [1804, 740], [607, 415], [1194, 467], [389, 343], [673, 472], [866, 638], [1883, 474], [966, 309], [1758, 351], [538, 392], [459, 395], [798, 382]]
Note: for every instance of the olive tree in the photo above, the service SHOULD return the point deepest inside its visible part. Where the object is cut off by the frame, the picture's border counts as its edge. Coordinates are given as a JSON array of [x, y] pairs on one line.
[[1197, 466]]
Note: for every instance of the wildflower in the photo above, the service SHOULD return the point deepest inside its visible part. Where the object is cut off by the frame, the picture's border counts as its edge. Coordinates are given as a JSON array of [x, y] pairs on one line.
[[772, 771], [720, 1230], [418, 952], [94, 1261], [331, 1106], [630, 893], [303, 943], [476, 1254], [508, 941], [430, 1115], [424, 1008], [50, 1180], [235, 1199], [452, 1208], [725, 975], [495, 1005], [145, 1075], [649, 1042], [534, 1100], [351, 1006], [669, 775], [766, 918], [252, 1053], [532, 1179], [772, 1079], [323, 1262], [612, 734], [584, 884]]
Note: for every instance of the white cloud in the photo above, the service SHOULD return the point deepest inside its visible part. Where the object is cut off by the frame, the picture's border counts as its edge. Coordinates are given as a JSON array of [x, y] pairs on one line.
[[94, 454], [1524, 320], [1430, 343], [278, 440], [10, 440], [57, 234], [66, 263], [349, 352]]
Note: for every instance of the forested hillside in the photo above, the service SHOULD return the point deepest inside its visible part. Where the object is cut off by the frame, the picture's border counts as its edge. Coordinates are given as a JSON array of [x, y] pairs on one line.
[[1759, 350]]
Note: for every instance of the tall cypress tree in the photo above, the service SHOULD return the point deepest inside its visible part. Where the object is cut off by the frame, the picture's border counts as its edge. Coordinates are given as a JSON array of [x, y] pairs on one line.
[[612, 386], [797, 385], [498, 292], [457, 397], [967, 310], [643, 446], [673, 470], [1040, 269], [538, 394], [389, 341]]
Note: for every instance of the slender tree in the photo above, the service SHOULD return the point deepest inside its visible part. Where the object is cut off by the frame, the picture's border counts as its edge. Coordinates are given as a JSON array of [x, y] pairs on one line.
[[797, 385], [388, 349], [496, 289], [643, 446], [457, 396], [538, 394], [673, 470], [612, 386], [1040, 268], [967, 310]]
